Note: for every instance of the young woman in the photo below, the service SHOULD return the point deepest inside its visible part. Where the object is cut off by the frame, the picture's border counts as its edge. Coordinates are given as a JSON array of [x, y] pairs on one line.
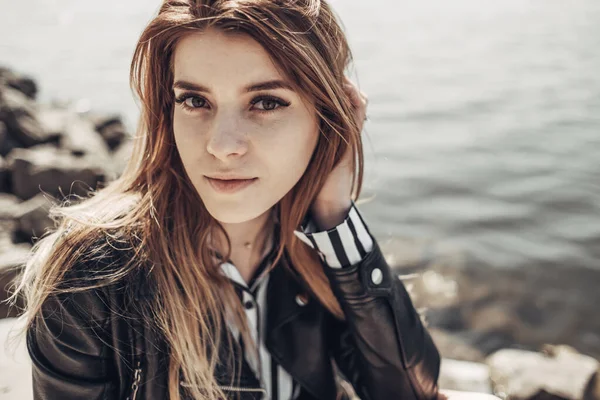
[[229, 260]]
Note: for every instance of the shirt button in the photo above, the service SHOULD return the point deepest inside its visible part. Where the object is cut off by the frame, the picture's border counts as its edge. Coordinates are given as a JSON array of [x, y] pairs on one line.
[[249, 305], [376, 276], [301, 300]]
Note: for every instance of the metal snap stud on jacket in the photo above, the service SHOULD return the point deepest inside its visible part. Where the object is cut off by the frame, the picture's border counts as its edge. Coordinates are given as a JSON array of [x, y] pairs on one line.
[[376, 276], [301, 299]]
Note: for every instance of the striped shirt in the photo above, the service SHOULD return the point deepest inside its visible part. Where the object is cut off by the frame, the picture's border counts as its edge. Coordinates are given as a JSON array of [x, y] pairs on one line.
[[339, 247]]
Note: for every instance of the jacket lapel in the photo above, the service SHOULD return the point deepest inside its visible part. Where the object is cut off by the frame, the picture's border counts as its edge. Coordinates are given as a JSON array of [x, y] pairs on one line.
[[295, 334]]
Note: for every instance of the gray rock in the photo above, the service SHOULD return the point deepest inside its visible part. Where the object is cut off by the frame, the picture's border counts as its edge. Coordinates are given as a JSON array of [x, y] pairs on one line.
[[464, 375], [7, 143], [448, 318], [33, 219], [55, 171], [4, 176], [15, 363], [12, 260], [9, 212], [448, 394], [19, 114], [9, 206], [81, 139], [111, 128], [3, 135], [101, 120], [592, 391], [559, 373], [20, 82], [487, 309], [455, 346], [8, 231], [54, 120], [13, 255], [121, 157]]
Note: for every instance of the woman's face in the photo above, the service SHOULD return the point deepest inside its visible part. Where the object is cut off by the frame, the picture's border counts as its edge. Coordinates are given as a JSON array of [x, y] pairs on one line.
[[223, 126]]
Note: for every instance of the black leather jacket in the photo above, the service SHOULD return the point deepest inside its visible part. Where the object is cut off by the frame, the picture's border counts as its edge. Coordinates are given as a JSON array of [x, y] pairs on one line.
[[85, 346]]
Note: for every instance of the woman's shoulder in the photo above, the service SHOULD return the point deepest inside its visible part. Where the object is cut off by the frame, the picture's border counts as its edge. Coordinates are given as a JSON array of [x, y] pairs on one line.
[[96, 241], [105, 259], [83, 273], [100, 282], [72, 328]]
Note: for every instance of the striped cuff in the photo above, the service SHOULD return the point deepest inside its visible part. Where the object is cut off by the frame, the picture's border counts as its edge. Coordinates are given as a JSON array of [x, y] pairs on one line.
[[341, 246]]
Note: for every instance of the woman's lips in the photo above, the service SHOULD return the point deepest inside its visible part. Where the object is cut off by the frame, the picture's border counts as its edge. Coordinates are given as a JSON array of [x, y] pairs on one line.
[[231, 185]]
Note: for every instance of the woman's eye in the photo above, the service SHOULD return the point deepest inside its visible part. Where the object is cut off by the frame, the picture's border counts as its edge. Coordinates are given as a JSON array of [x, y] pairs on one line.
[[191, 101], [195, 102], [269, 104]]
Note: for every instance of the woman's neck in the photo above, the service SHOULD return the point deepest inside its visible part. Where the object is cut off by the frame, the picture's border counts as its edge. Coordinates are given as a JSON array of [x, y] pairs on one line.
[[251, 241]]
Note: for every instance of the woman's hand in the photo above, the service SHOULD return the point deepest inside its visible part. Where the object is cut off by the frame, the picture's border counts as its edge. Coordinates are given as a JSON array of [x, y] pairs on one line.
[[334, 200]]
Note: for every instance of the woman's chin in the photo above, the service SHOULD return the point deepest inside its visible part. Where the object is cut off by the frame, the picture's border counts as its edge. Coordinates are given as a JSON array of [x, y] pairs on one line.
[[234, 212]]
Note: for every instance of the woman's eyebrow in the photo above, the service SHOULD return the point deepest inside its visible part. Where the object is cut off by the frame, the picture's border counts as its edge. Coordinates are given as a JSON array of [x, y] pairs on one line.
[[267, 85]]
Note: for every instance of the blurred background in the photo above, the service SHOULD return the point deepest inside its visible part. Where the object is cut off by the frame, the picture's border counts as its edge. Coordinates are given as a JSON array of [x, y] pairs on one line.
[[482, 147]]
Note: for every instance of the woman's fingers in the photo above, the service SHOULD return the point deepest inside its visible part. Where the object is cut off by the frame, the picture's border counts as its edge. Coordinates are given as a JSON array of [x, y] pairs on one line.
[[358, 99]]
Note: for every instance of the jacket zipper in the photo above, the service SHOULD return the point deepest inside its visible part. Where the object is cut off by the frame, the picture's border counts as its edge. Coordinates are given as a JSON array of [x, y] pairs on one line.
[[135, 385], [240, 389], [232, 388]]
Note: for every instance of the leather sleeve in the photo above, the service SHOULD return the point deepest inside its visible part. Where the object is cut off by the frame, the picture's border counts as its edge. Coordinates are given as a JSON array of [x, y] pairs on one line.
[[382, 347], [68, 343]]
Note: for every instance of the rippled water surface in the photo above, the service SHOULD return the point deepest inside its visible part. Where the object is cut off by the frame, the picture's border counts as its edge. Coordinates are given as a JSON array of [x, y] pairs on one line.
[[485, 115]]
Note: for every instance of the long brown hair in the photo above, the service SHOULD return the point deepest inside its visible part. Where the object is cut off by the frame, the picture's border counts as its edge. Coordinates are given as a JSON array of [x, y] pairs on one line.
[[307, 43]]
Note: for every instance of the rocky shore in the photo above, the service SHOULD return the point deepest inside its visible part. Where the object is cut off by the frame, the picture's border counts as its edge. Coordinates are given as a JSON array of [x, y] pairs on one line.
[[525, 333]]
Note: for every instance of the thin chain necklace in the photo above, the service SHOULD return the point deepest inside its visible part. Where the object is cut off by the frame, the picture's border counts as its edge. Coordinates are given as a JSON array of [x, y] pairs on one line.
[[248, 245]]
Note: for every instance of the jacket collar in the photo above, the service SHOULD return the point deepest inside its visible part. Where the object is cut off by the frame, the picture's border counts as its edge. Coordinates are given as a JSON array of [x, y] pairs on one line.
[[282, 290], [287, 342]]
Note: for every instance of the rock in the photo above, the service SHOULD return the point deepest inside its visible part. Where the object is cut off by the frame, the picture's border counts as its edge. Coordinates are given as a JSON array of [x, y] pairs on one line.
[[488, 309], [7, 143], [54, 120], [80, 138], [19, 114], [9, 211], [592, 391], [9, 206], [5, 185], [559, 373], [3, 135], [464, 375], [102, 120], [22, 83], [8, 231], [448, 394], [15, 363], [448, 318], [11, 263], [488, 342], [455, 346], [55, 171], [493, 317], [121, 157], [12, 256], [111, 128], [33, 219]]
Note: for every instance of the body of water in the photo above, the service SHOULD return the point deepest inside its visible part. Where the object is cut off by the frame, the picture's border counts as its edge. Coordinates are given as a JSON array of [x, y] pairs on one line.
[[484, 131]]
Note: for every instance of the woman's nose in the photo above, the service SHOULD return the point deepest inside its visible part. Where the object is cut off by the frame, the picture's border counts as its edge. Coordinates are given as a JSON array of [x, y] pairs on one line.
[[227, 139]]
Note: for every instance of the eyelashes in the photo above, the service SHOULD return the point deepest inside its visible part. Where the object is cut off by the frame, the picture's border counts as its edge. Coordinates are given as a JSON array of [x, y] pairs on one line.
[[193, 106]]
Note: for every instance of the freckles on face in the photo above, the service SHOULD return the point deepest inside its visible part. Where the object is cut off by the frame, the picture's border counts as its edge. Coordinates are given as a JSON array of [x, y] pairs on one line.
[[222, 128]]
